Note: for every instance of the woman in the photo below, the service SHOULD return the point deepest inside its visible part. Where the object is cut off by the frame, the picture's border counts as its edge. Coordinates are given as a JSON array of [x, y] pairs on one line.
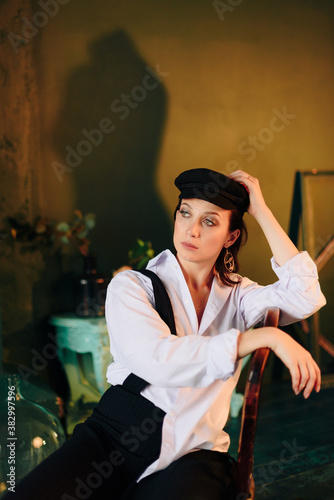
[[192, 376], [157, 432]]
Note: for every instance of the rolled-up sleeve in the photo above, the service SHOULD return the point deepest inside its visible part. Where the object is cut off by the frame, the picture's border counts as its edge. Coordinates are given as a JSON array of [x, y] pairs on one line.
[[223, 350], [297, 293], [143, 343]]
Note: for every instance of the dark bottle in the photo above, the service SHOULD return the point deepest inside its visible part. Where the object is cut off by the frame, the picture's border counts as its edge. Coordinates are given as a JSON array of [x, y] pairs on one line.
[[90, 290]]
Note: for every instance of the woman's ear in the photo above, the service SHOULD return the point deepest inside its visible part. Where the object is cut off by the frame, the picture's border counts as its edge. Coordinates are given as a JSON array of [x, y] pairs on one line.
[[232, 238]]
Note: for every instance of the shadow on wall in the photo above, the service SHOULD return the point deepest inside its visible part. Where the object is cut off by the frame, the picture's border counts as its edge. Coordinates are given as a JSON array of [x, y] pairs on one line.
[[109, 134]]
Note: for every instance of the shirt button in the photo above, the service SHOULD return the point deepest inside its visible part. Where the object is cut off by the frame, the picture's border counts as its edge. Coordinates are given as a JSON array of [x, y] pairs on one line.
[[172, 414], [187, 301], [174, 267]]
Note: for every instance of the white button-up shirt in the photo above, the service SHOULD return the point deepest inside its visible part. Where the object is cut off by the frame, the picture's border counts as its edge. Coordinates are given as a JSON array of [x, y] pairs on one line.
[[193, 374]]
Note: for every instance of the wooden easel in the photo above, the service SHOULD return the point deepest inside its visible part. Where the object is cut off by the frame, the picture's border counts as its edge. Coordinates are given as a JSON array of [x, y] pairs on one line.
[[302, 231]]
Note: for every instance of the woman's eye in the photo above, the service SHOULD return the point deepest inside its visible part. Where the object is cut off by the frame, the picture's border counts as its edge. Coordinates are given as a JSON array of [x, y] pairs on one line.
[[209, 222], [184, 213]]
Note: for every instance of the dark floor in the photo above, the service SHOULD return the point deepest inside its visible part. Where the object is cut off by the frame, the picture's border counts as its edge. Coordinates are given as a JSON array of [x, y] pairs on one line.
[[294, 446]]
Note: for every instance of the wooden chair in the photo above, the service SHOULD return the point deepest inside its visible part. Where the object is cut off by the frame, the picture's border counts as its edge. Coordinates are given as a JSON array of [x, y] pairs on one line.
[[245, 481]]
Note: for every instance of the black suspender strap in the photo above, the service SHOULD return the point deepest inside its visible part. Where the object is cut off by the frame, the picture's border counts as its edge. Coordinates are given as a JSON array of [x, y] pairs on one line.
[[163, 305], [164, 308]]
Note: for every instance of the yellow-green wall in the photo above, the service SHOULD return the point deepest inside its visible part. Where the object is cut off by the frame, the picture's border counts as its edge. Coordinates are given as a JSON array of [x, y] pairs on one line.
[[225, 78]]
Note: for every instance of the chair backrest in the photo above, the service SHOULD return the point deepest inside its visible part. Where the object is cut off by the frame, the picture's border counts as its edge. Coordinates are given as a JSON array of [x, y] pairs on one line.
[[245, 482]]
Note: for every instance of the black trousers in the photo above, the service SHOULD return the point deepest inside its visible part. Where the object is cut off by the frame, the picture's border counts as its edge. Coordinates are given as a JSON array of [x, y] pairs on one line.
[[104, 456], [199, 475], [109, 452]]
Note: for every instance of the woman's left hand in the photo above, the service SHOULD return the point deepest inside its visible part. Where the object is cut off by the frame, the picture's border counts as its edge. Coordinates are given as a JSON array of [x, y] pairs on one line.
[[304, 371], [256, 200]]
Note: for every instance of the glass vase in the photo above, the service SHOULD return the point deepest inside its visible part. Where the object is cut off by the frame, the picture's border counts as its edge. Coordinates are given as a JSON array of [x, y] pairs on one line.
[[28, 434]]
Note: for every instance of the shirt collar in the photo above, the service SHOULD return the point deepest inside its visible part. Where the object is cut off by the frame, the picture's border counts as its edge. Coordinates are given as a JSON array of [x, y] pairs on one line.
[[218, 295]]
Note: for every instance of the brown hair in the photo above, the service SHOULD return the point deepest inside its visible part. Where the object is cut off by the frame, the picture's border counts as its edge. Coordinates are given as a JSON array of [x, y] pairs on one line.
[[236, 222]]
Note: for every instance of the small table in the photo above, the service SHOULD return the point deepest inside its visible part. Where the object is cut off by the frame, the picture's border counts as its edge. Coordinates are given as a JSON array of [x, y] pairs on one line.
[[83, 345]]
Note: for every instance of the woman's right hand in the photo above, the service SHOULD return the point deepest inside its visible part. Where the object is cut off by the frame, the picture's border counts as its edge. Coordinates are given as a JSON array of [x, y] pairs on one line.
[[304, 371]]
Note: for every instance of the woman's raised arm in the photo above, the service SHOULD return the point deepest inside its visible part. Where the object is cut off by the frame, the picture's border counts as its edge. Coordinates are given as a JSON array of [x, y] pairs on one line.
[[281, 246]]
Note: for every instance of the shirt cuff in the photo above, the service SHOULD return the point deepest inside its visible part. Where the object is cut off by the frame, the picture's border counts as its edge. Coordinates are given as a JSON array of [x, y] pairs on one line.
[[299, 265], [223, 355]]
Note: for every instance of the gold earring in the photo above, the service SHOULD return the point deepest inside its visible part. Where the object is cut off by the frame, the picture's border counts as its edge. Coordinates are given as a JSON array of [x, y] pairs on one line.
[[229, 261]]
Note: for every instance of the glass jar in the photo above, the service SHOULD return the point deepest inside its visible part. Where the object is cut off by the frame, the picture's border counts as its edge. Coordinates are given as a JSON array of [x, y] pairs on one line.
[[28, 434]]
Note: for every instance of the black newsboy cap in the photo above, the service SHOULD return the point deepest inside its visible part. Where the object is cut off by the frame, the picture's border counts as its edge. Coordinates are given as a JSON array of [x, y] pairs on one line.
[[214, 187]]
